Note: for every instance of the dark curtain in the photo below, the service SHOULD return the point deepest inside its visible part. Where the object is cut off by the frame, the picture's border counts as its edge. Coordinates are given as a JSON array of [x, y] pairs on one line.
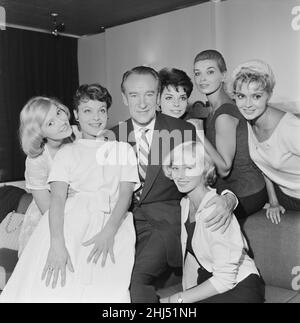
[[31, 63]]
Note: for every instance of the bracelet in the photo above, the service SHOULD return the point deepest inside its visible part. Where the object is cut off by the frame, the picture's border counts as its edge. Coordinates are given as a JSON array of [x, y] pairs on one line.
[[179, 298]]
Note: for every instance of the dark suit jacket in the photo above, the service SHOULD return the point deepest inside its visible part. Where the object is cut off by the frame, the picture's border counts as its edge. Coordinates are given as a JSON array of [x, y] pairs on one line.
[[159, 204]]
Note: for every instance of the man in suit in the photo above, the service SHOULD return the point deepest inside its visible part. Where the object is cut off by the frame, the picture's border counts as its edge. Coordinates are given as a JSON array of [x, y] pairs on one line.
[[156, 205]]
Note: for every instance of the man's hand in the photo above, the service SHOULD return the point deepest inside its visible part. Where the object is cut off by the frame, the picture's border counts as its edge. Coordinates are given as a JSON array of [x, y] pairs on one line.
[[221, 216]]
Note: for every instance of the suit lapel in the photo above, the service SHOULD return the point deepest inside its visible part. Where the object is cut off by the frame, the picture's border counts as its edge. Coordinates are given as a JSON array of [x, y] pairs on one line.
[[130, 135], [126, 134]]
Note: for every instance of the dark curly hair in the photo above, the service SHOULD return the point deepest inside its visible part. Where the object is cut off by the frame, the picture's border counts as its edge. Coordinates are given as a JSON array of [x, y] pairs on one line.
[[93, 91], [175, 78]]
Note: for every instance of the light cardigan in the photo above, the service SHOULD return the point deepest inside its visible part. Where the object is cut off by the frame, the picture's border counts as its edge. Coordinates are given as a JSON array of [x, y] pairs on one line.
[[222, 254]]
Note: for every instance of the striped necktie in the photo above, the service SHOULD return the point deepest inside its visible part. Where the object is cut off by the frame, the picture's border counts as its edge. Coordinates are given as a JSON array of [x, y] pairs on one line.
[[143, 154], [143, 162]]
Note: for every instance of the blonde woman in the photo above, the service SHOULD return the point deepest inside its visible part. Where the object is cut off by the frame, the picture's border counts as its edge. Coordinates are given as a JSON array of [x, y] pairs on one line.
[[273, 136], [216, 267], [44, 128]]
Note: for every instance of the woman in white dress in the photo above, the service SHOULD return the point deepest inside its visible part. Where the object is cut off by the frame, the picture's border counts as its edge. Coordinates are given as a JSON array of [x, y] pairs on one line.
[[273, 136], [88, 253], [44, 128]]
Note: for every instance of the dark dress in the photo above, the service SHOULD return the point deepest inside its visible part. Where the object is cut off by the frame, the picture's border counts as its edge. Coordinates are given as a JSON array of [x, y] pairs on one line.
[[244, 179]]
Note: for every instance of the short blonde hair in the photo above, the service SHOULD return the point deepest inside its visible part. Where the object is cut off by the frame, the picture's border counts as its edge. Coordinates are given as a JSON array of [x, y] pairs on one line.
[[253, 71], [32, 117], [196, 147]]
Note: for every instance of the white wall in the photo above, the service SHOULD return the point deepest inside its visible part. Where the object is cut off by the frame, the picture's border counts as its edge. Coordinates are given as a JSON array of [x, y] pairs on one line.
[[262, 29], [240, 29], [168, 40], [91, 59]]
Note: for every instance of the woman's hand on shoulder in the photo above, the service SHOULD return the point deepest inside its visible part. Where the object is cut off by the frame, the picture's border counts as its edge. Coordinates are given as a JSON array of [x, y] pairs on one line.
[[57, 261]]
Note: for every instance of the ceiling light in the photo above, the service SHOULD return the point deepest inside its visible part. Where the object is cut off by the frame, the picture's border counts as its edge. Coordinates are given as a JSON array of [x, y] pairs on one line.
[[56, 27]]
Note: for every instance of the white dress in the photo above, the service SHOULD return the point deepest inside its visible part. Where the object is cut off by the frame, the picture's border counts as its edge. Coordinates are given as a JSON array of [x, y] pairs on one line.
[[94, 169], [37, 171]]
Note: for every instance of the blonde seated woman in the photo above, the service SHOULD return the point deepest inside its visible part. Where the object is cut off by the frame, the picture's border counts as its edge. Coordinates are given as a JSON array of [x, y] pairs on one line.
[[44, 129], [216, 266]]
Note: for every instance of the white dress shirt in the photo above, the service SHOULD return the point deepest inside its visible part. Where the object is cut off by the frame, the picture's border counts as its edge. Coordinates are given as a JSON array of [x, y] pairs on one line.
[[138, 133], [222, 254]]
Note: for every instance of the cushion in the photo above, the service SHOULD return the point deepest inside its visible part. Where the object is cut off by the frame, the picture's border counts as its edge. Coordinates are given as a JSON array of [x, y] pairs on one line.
[[295, 299], [276, 248], [10, 229], [279, 295], [24, 202], [9, 199], [8, 261], [9, 236]]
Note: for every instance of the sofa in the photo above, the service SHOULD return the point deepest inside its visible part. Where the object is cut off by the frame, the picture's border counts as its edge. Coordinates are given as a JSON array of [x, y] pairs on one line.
[[276, 251], [8, 256], [275, 248]]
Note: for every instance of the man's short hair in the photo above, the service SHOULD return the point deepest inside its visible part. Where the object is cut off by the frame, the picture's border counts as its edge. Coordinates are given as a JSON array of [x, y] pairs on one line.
[[140, 70]]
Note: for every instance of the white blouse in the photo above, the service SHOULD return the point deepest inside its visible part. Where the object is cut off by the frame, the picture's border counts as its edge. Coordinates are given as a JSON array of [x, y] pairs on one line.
[[279, 156], [222, 254]]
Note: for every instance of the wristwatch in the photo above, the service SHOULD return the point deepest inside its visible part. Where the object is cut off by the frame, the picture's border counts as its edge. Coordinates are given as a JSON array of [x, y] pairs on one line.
[[179, 298]]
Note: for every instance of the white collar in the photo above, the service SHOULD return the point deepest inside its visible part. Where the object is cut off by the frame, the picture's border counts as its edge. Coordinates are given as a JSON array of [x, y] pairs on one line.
[[138, 127]]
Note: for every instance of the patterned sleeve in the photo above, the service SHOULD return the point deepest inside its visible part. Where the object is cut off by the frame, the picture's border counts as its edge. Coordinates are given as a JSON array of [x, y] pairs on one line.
[[36, 173], [60, 171]]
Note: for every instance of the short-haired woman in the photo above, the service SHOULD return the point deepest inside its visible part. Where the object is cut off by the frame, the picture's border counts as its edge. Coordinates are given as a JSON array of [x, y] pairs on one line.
[[273, 136]]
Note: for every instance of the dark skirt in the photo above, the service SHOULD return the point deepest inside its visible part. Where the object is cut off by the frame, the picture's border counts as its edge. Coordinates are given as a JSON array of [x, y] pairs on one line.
[[288, 202], [249, 290]]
